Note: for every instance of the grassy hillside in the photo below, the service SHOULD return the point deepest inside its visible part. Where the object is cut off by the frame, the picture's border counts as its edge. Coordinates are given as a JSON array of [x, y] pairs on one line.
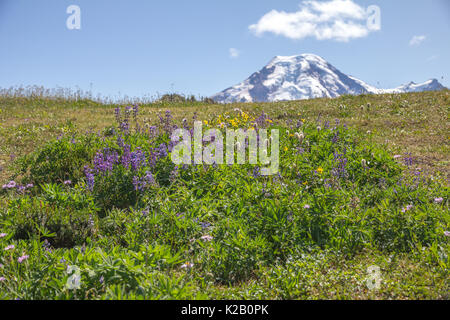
[[414, 122], [365, 190]]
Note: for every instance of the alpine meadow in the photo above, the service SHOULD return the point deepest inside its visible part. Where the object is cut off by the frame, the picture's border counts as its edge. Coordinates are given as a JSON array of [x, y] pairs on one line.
[[92, 207], [224, 159]]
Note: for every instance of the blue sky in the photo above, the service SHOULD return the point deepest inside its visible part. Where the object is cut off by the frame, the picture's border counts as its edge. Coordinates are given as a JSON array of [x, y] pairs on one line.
[[139, 47]]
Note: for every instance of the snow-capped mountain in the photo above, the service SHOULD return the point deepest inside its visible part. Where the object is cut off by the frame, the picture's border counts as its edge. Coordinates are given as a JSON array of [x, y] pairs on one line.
[[305, 76], [430, 85]]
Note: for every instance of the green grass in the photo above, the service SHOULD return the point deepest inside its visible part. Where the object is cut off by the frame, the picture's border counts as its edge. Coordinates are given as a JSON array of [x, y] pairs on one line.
[[262, 242]]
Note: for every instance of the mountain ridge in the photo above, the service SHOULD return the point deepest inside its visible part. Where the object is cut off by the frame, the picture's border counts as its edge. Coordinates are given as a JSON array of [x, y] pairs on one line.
[[305, 76]]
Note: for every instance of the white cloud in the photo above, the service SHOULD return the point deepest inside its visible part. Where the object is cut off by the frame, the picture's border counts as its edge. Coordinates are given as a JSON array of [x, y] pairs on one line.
[[417, 40], [234, 53], [339, 20]]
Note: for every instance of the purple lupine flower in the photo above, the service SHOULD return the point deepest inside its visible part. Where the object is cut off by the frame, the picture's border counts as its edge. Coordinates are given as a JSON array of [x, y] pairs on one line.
[[152, 159], [256, 172], [105, 160], [408, 160], [10, 247], [447, 233], [23, 258], [117, 114], [166, 122], [2, 235], [67, 182], [170, 145], [124, 124], [149, 179], [124, 127], [29, 186], [341, 162], [21, 189], [135, 111], [98, 162], [438, 200], [307, 206], [137, 159], [46, 245], [185, 124], [335, 138], [120, 142], [2, 279], [152, 131], [112, 158], [261, 121], [136, 184], [125, 159], [162, 151], [90, 179]]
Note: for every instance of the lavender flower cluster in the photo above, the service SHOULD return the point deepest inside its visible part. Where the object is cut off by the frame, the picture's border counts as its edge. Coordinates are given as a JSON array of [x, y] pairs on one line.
[[19, 188], [106, 160]]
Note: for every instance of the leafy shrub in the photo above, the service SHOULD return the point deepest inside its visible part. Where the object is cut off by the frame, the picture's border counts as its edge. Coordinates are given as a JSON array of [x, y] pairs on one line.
[[62, 226], [59, 160]]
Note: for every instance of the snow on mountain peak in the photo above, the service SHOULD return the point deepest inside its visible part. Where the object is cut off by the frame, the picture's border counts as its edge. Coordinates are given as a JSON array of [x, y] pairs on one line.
[[304, 76]]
